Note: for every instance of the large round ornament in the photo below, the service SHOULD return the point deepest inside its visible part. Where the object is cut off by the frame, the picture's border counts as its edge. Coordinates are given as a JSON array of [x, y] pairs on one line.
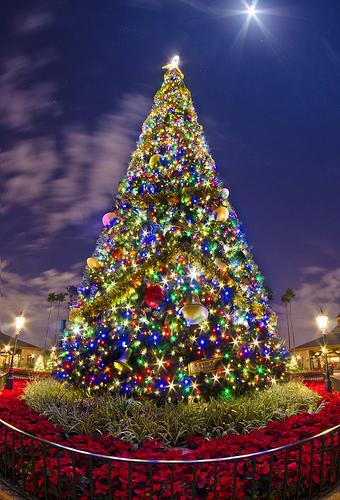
[[194, 313], [221, 213], [220, 264], [225, 193], [92, 263], [154, 296], [154, 161], [107, 218]]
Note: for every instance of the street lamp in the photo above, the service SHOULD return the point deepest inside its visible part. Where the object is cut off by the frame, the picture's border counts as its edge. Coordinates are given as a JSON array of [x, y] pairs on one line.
[[322, 321], [7, 347], [19, 323]]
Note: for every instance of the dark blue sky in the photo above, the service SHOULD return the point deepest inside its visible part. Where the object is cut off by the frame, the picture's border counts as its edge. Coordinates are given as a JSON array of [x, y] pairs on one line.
[[77, 80]]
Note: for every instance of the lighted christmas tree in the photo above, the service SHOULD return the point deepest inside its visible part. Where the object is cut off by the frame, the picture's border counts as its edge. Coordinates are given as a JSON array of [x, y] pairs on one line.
[[172, 304]]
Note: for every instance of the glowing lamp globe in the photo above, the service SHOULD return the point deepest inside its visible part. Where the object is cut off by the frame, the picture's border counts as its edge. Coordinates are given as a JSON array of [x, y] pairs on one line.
[[92, 263], [194, 313], [107, 218], [322, 321], [19, 322], [222, 213]]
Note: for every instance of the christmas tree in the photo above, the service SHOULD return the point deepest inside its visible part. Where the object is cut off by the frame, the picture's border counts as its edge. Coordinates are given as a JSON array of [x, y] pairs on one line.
[[171, 304]]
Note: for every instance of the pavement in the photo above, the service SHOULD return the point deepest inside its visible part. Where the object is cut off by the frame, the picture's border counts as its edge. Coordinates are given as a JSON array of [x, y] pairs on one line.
[[334, 495], [7, 493]]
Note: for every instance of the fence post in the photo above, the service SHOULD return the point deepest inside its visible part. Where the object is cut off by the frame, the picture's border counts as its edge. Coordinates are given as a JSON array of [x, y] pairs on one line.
[[311, 470]]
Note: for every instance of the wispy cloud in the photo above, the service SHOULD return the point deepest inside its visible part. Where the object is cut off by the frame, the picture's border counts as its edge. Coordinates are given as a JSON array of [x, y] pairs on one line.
[[28, 168], [30, 22], [64, 178], [95, 162], [24, 98], [64, 183]]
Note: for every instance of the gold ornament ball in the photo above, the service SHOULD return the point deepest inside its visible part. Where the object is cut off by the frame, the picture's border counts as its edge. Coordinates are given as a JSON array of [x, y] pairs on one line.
[[92, 263], [221, 213], [154, 161], [194, 313]]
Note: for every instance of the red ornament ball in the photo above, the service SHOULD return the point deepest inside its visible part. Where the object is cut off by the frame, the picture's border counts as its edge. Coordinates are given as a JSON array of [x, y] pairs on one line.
[[153, 296]]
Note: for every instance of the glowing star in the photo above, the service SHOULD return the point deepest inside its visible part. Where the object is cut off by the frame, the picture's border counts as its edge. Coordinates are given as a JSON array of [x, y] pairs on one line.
[[173, 63], [251, 9], [255, 343], [160, 363], [193, 273], [171, 386]]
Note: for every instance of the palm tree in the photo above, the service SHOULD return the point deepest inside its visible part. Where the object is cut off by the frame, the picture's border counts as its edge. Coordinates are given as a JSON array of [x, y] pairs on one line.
[[50, 299], [286, 299], [59, 297]]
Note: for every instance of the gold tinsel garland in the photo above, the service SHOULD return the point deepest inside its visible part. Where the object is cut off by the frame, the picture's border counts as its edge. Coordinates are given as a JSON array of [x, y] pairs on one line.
[[169, 255]]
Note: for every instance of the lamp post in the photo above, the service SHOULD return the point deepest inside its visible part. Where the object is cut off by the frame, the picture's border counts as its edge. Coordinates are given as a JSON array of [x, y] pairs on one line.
[[19, 323], [322, 321], [6, 356]]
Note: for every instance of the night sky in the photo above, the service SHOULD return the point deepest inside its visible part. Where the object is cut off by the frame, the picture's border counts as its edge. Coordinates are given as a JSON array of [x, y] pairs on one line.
[[77, 80]]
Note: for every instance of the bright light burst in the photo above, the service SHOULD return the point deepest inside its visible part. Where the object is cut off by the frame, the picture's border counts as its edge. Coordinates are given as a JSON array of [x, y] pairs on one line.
[[251, 10], [253, 16], [173, 63]]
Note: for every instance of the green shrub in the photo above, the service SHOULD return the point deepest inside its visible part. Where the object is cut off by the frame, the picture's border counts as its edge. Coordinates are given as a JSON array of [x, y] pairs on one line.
[[136, 421]]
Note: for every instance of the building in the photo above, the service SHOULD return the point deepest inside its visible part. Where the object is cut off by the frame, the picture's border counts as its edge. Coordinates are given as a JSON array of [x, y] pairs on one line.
[[25, 355], [310, 356]]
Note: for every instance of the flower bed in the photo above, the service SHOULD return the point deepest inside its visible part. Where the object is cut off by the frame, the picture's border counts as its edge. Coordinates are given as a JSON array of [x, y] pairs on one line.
[[68, 475]]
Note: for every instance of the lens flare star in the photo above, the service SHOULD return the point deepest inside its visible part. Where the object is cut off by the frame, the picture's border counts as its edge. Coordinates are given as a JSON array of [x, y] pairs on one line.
[[251, 10]]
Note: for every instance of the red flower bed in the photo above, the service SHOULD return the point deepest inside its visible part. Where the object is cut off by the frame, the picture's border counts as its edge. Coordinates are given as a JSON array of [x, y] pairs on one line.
[[66, 475]]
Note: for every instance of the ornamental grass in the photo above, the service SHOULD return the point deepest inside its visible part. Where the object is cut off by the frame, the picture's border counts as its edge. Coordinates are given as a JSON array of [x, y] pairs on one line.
[[137, 422]]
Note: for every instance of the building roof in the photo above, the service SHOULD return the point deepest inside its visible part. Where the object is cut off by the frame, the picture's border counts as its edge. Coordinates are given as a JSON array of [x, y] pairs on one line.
[[332, 338], [7, 340]]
